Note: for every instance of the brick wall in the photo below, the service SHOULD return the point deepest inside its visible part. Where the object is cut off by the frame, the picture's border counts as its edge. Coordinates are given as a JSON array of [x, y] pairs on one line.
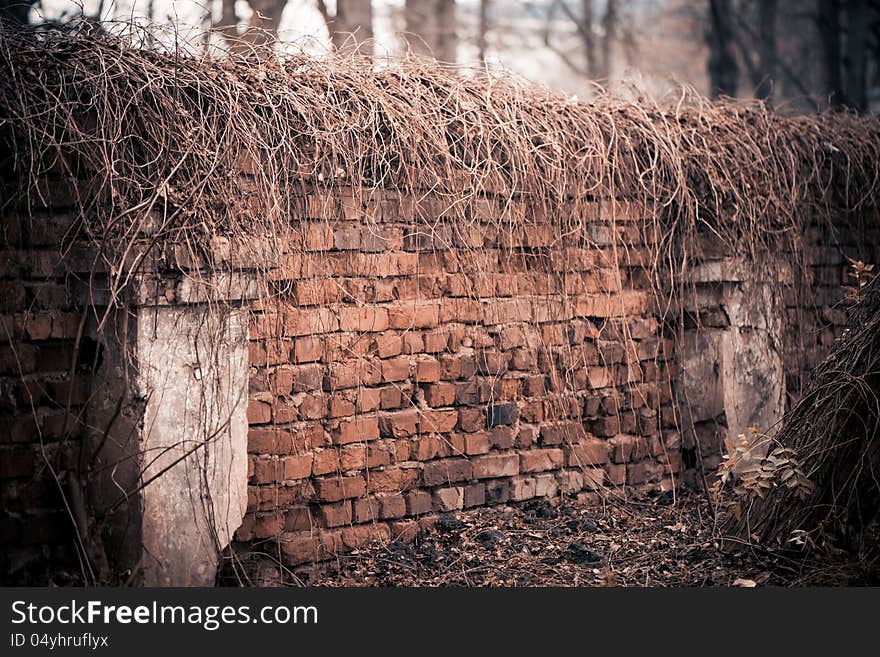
[[424, 367], [406, 365], [44, 387]]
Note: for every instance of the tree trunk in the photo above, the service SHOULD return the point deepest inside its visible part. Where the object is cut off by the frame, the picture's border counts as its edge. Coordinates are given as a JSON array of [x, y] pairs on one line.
[[430, 27], [609, 36], [351, 29], [767, 53], [259, 35], [828, 23], [857, 54], [482, 30], [587, 35], [16, 11], [723, 68]]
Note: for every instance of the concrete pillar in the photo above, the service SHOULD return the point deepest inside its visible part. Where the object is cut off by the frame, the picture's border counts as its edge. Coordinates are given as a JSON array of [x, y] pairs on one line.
[[169, 427], [731, 369]]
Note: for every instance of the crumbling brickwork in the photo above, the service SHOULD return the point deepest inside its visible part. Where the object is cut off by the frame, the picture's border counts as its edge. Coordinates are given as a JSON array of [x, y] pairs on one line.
[[401, 369], [405, 379], [44, 387]]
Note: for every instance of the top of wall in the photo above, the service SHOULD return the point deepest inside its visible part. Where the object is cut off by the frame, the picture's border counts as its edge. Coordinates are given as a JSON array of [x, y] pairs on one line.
[[143, 132]]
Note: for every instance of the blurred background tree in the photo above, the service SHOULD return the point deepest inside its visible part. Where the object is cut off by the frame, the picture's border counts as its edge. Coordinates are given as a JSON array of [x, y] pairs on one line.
[[798, 54]]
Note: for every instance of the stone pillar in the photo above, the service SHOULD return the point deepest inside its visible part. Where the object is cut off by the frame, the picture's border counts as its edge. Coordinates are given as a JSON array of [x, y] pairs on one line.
[[168, 423], [731, 370]]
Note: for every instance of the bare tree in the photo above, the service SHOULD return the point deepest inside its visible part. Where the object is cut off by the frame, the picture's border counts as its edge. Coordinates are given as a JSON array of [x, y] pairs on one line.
[[856, 54], [351, 27], [430, 28], [828, 22], [723, 67], [482, 30], [16, 11], [597, 41], [767, 51], [260, 30]]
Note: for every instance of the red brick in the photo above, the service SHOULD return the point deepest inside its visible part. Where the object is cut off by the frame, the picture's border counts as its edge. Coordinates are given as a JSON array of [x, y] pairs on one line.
[[440, 394], [357, 430], [495, 465], [309, 321], [446, 471], [363, 319], [413, 343], [616, 473], [269, 441], [267, 470], [352, 374], [388, 345], [391, 480], [405, 530], [298, 518], [334, 515], [427, 371], [325, 461], [267, 526], [522, 488], [476, 443], [449, 499], [313, 407], [562, 432], [474, 495], [417, 314], [539, 460], [366, 509], [400, 424], [589, 451], [395, 369], [426, 448], [438, 421], [298, 549], [341, 406], [308, 349], [297, 467], [258, 412], [364, 535], [471, 420], [418, 502], [392, 506]]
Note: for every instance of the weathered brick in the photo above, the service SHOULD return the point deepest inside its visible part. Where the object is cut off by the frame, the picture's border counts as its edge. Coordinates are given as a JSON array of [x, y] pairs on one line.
[[446, 471], [298, 548], [538, 460], [360, 429], [589, 451], [427, 370], [395, 369], [364, 535], [418, 502], [474, 495], [392, 506], [495, 465], [297, 467], [399, 424], [438, 421], [449, 499], [363, 319], [340, 488], [413, 314], [391, 480], [440, 394], [334, 515]]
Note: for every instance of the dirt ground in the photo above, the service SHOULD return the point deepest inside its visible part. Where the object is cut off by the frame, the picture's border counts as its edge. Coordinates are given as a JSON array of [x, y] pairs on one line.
[[652, 541]]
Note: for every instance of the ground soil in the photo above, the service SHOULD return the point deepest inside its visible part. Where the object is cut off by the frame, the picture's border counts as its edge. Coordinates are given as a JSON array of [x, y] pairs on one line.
[[651, 541]]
